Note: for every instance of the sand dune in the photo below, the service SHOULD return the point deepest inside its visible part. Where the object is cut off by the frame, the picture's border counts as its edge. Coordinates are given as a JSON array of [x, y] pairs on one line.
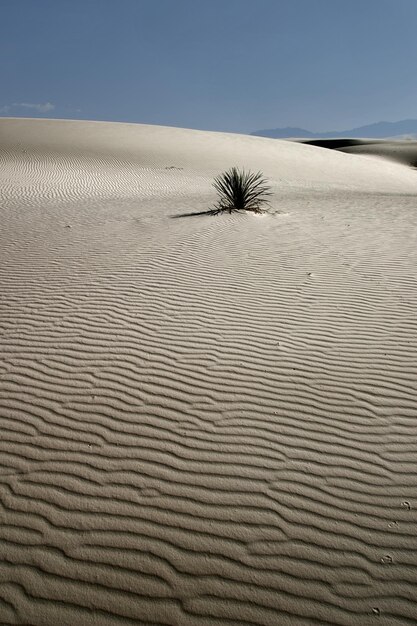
[[402, 151], [207, 420]]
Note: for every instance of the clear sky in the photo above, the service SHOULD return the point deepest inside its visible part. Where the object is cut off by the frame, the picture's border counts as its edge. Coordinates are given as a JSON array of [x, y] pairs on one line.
[[232, 65]]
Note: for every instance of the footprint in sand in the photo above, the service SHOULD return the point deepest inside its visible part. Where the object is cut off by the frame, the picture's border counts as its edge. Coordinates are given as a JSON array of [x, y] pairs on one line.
[[393, 525], [387, 559]]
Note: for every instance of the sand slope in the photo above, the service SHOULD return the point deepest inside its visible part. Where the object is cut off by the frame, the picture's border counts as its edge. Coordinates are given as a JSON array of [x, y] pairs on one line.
[[205, 420], [402, 151]]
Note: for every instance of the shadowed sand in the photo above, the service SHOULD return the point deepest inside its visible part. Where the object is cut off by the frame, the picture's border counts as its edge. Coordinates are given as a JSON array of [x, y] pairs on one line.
[[204, 421], [402, 151]]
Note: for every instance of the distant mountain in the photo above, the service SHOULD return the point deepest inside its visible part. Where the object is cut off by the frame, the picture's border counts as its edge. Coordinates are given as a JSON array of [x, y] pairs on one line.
[[380, 130]]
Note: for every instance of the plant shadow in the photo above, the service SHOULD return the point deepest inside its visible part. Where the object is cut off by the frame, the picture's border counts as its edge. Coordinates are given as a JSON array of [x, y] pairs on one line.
[[219, 212], [196, 213]]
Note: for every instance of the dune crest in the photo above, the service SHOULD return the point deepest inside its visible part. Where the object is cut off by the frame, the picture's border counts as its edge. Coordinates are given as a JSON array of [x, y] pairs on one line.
[[207, 420]]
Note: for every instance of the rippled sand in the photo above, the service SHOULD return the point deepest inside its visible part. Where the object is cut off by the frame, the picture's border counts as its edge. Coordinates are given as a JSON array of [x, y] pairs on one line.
[[204, 420]]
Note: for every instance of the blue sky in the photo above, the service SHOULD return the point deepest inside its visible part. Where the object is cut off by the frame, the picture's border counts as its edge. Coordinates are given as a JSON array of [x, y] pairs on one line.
[[232, 65]]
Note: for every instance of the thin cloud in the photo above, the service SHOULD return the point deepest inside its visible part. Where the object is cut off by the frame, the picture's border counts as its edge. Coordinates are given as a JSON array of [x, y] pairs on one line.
[[40, 108]]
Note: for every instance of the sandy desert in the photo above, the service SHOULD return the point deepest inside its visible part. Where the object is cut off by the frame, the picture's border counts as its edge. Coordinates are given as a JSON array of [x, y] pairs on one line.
[[205, 420]]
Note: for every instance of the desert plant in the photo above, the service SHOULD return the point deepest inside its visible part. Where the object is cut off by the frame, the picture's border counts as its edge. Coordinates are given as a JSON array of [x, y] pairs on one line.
[[241, 191]]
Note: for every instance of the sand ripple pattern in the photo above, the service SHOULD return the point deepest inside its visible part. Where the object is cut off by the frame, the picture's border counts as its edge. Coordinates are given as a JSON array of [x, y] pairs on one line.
[[40, 179], [204, 420]]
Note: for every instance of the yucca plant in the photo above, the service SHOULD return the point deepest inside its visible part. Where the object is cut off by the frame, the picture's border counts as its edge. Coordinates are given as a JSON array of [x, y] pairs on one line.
[[241, 191]]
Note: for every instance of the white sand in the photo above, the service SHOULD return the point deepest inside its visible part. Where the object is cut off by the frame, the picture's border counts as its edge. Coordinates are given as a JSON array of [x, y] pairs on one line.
[[402, 151], [205, 420]]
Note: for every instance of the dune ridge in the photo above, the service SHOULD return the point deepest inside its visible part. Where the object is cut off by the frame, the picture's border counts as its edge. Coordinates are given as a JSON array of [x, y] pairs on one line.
[[205, 420], [399, 150]]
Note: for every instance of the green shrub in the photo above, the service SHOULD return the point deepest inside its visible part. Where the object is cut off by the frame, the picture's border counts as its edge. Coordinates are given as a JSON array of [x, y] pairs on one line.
[[241, 191]]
